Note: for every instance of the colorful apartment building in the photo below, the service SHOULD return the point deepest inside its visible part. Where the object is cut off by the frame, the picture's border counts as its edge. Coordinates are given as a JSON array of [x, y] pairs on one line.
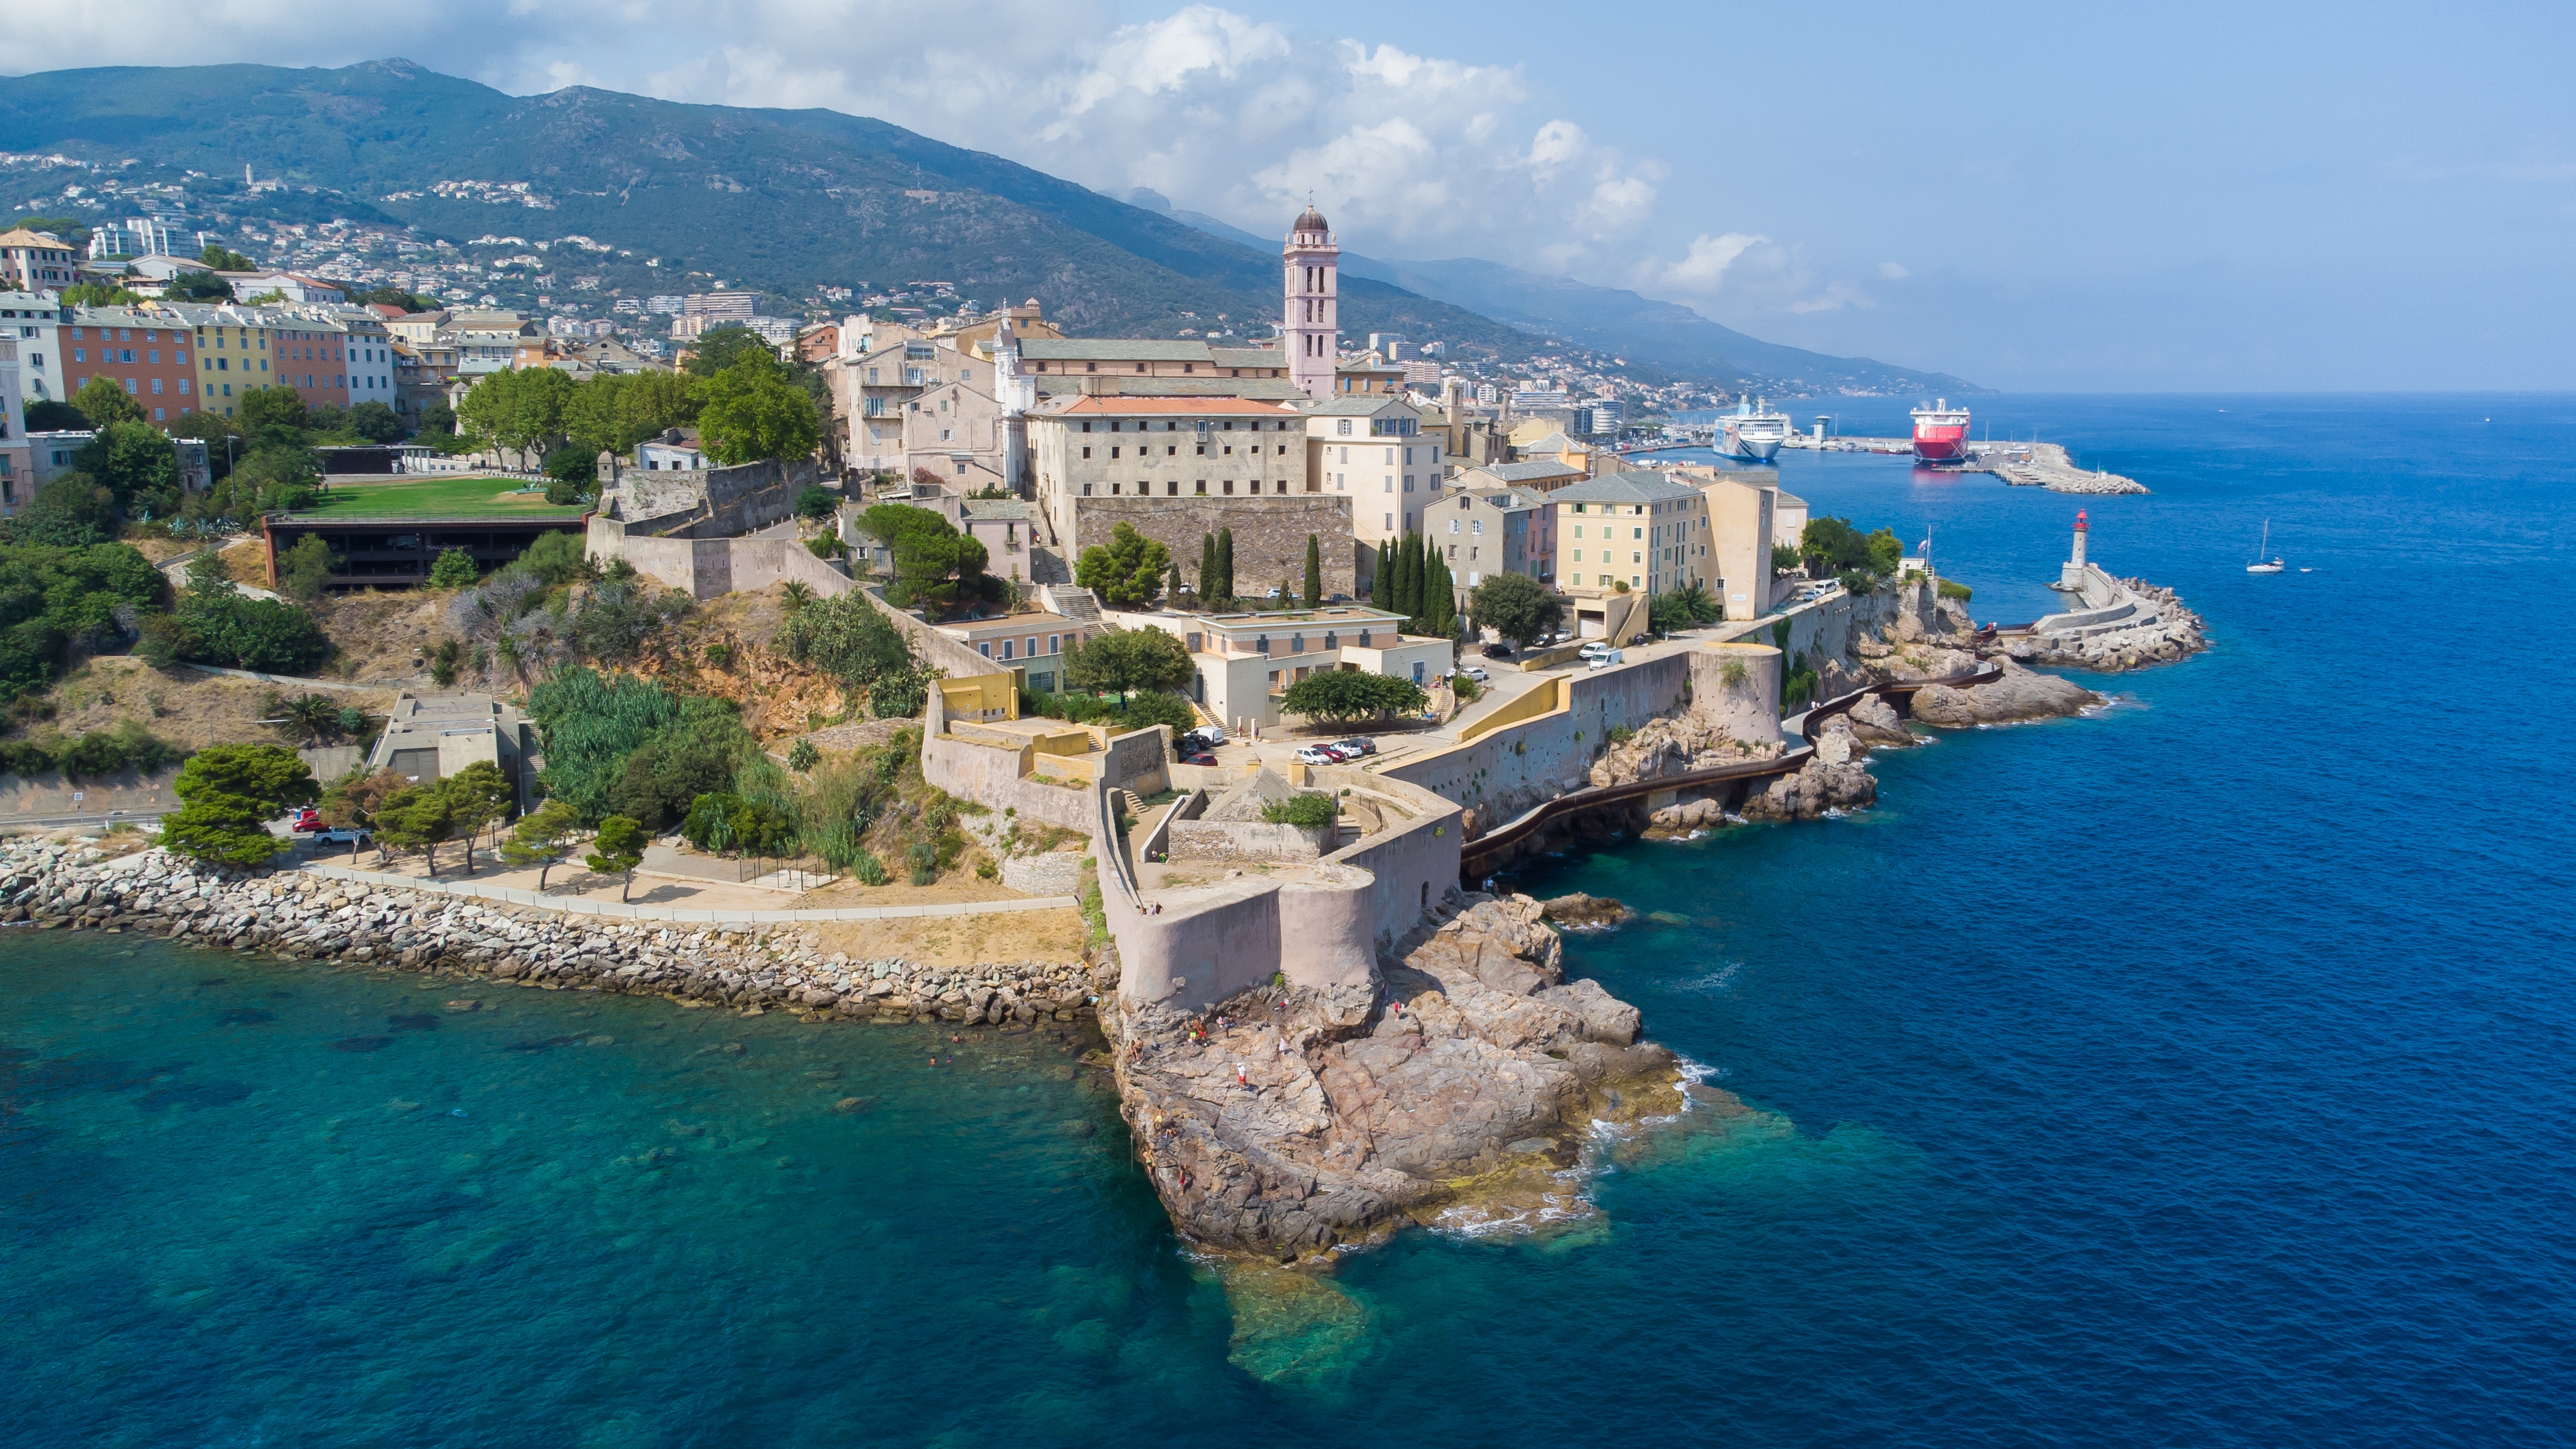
[[145, 350]]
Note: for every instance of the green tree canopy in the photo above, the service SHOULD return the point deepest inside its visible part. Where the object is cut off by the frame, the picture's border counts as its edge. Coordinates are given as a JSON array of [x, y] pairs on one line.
[[52, 415], [137, 463], [1516, 606], [542, 838], [1833, 546], [417, 817], [520, 408], [1337, 696], [278, 406], [1314, 594], [1126, 570], [932, 560], [104, 401], [477, 795], [197, 287], [221, 259], [228, 794], [1123, 661], [720, 348], [617, 850], [613, 412], [1682, 608], [755, 410]]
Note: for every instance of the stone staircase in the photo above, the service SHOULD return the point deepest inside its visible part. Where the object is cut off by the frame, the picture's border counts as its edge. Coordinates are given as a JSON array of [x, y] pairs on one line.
[[1123, 801], [1070, 601]]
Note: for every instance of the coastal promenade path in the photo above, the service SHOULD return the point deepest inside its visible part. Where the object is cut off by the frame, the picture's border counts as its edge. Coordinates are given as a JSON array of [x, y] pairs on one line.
[[623, 911], [1486, 847]]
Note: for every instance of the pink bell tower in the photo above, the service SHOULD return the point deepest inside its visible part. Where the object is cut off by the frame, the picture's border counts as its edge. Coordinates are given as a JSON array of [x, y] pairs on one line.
[[1312, 325]]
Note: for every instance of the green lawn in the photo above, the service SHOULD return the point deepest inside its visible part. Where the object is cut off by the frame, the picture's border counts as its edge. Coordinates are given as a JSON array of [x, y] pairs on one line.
[[437, 497]]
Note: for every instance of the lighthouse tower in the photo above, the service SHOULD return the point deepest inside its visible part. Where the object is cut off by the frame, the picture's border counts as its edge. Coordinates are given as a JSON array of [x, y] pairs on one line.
[[2071, 577], [1313, 321]]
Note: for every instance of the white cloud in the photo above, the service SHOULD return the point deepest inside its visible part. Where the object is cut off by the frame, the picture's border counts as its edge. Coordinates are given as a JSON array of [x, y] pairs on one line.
[[1743, 274], [1893, 272]]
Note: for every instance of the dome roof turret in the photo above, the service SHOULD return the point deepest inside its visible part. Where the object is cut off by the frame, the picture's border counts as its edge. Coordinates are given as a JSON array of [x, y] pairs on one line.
[[1310, 220]]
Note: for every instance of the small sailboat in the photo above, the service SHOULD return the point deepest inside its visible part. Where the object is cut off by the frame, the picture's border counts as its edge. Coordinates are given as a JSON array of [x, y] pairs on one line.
[[2260, 565]]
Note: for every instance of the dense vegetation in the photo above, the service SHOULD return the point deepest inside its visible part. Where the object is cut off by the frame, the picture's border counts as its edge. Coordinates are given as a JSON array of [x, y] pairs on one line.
[[55, 602], [1832, 547], [625, 748], [854, 642]]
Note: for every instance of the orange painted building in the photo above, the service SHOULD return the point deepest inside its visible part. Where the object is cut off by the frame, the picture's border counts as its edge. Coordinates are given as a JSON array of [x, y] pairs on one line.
[[146, 352]]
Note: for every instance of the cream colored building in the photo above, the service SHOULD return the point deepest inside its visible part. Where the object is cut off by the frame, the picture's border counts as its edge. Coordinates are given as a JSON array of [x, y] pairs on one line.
[[1036, 642], [1373, 450], [1245, 662], [1642, 531], [1742, 522], [1161, 447]]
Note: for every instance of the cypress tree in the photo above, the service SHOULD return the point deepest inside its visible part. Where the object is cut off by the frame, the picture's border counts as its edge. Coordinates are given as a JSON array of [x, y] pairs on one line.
[[1225, 564], [1207, 567], [1382, 581], [1314, 572], [1408, 579], [1439, 608]]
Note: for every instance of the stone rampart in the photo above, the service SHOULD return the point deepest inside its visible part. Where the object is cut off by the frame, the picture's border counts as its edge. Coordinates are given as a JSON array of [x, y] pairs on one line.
[[1269, 534], [710, 567], [1506, 771], [1233, 840], [716, 503]]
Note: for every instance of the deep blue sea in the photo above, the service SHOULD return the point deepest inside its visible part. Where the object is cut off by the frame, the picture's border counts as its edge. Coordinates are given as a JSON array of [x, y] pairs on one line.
[[2197, 1073]]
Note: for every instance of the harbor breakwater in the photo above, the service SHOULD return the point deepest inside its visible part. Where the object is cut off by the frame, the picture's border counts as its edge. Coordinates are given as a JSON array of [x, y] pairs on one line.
[[48, 885]]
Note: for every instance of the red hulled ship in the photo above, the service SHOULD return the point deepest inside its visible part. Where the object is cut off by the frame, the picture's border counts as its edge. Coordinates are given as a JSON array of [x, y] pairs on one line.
[[1940, 433]]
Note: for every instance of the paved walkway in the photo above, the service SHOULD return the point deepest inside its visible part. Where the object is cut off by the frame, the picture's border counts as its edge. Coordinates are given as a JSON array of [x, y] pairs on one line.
[[641, 911]]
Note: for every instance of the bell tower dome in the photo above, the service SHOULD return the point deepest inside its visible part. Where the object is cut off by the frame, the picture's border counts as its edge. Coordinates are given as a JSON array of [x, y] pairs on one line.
[[1312, 324]]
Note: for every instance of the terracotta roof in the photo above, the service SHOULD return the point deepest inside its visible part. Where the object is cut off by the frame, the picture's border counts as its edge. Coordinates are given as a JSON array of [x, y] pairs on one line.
[[22, 237], [1168, 407]]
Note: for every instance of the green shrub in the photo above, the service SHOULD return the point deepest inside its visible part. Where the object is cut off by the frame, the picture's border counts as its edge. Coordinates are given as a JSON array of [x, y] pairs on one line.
[[868, 869], [244, 633], [454, 570], [923, 857], [817, 503], [1308, 810], [1952, 589]]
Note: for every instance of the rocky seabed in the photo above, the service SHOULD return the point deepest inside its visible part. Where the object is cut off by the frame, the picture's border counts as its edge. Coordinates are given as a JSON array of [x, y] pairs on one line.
[[51, 886]]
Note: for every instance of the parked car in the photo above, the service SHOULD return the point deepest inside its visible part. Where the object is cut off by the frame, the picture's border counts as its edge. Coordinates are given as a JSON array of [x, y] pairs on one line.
[[336, 835], [306, 821], [1345, 751], [1205, 737], [1477, 673], [1361, 743], [1593, 649], [1201, 758], [1596, 661], [1498, 651], [1316, 755]]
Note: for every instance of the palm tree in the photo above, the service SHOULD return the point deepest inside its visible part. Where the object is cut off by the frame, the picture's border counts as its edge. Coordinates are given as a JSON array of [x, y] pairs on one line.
[[796, 595]]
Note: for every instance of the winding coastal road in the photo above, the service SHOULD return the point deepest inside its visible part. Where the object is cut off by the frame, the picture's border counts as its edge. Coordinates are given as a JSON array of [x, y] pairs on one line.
[[1503, 837]]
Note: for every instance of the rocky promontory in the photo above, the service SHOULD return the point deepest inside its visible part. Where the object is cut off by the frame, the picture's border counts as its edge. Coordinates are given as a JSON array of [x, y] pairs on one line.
[[1457, 1084]]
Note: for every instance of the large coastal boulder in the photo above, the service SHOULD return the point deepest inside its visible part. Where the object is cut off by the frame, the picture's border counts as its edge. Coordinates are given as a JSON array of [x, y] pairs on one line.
[[2019, 695]]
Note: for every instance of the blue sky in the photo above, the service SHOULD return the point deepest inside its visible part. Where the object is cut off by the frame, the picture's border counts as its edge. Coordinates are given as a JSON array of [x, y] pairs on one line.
[[2032, 197]]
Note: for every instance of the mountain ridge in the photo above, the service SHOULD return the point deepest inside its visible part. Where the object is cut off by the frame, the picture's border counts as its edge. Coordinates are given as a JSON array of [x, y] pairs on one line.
[[787, 201]]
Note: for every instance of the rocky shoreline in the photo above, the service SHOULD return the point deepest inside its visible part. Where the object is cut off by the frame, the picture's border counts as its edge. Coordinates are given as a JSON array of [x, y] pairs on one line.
[[1459, 1084], [46, 885]]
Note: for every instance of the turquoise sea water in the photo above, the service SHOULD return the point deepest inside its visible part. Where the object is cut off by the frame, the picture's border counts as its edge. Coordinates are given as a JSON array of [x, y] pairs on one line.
[[2197, 1073]]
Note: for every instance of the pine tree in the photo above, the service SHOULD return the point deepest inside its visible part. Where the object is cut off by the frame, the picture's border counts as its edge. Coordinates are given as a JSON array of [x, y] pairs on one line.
[[1207, 568], [1314, 572], [1225, 565], [1382, 581]]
